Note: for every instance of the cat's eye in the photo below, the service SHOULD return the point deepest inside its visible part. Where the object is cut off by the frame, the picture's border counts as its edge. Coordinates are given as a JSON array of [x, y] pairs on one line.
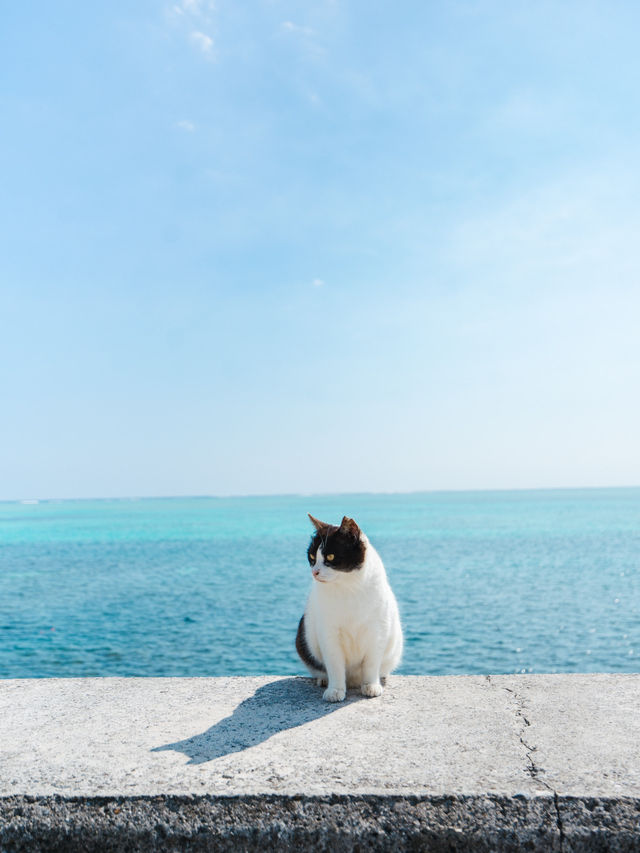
[[331, 557], [312, 559]]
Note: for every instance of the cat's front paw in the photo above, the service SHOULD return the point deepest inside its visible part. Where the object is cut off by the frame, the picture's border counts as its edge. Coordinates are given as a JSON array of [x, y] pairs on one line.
[[334, 694], [372, 689]]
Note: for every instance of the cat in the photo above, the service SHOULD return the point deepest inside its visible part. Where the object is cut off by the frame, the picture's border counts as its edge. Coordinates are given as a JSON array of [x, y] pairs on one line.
[[350, 633]]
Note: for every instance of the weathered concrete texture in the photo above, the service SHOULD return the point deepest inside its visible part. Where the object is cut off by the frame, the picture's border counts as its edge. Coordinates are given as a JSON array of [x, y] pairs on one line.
[[283, 823], [456, 763]]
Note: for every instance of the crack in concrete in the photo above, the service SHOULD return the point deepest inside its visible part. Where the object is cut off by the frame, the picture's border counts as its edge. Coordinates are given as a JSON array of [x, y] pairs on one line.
[[532, 769], [559, 820]]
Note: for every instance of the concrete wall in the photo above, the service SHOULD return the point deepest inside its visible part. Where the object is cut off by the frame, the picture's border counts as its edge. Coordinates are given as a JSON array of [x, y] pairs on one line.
[[547, 762]]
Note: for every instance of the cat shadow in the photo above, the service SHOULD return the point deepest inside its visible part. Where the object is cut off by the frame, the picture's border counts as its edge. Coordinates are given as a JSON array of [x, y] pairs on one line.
[[274, 707]]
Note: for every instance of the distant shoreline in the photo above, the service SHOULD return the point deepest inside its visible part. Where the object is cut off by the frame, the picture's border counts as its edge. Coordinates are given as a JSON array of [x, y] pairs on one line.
[[312, 495]]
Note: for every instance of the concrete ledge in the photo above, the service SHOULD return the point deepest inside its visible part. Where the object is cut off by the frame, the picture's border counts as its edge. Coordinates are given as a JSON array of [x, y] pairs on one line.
[[455, 763]]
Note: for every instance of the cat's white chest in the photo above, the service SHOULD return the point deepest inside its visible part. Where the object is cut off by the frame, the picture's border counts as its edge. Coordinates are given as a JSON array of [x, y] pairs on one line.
[[354, 641]]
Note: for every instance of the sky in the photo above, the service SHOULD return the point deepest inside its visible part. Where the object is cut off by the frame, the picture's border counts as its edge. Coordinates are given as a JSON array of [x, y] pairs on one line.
[[325, 246]]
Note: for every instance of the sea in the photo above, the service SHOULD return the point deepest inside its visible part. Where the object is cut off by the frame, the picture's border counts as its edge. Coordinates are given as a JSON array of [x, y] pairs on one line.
[[487, 582]]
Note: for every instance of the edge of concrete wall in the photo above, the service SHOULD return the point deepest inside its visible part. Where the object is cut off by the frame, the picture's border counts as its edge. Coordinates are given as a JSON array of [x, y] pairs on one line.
[[337, 823]]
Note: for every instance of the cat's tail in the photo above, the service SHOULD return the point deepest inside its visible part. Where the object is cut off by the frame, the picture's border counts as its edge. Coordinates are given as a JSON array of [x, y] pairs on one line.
[[306, 655]]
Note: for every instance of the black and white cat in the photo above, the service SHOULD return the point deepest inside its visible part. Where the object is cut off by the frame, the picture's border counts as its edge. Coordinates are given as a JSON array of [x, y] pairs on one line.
[[350, 634]]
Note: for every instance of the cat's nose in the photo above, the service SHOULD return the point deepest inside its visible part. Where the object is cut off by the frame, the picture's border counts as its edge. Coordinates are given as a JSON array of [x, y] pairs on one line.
[[315, 572]]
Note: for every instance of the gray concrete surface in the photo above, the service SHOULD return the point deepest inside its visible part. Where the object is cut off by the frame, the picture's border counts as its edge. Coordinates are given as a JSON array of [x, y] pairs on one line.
[[545, 762]]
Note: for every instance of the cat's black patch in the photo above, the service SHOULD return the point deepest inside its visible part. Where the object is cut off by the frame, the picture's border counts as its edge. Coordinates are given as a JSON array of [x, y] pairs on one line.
[[343, 542], [304, 651]]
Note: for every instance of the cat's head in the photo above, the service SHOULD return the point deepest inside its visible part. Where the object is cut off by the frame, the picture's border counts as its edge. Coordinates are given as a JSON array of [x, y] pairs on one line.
[[333, 551]]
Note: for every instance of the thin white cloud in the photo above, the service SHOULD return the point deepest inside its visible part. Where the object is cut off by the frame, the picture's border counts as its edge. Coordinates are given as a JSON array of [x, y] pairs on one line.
[[290, 27], [203, 41], [317, 282], [186, 125], [306, 39], [196, 20]]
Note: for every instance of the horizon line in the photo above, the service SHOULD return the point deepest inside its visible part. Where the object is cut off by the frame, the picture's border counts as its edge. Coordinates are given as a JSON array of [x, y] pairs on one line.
[[382, 492]]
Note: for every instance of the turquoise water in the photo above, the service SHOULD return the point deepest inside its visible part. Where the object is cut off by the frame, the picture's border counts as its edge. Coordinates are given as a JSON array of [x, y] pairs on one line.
[[487, 582]]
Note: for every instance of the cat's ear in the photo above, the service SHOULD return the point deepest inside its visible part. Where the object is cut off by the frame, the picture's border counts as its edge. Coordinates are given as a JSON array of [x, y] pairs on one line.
[[319, 525], [349, 526]]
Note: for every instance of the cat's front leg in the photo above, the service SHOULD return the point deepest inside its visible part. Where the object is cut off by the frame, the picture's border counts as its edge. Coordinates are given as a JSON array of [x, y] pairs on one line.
[[371, 676], [336, 672]]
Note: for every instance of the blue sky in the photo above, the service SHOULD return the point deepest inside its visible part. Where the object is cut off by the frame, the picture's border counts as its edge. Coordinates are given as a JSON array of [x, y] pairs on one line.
[[326, 246]]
